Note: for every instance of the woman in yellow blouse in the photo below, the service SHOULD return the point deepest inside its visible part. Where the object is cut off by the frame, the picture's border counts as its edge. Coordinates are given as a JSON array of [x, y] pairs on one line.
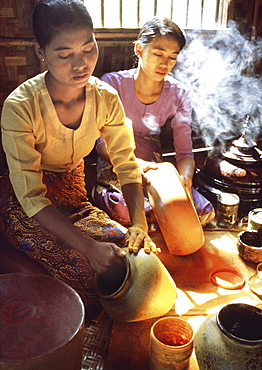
[[48, 124]]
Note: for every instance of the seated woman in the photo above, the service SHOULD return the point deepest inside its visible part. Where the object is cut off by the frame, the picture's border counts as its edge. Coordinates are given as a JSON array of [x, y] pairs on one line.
[[49, 124], [151, 97]]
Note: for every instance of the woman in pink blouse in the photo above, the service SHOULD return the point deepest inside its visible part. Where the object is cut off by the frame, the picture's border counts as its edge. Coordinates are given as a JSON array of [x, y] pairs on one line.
[[152, 97]]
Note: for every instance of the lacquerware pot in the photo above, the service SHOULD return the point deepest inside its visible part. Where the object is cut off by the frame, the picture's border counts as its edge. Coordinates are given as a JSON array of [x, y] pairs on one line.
[[231, 339], [235, 169], [174, 210], [249, 244], [140, 290]]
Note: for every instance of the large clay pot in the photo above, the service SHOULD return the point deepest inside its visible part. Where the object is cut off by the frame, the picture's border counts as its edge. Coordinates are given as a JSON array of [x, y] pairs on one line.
[[231, 339], [140, 290], [174, 210]]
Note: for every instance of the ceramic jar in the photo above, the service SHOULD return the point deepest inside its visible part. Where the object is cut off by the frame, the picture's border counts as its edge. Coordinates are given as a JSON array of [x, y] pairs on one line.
[[140, 290], [171, 344], [249, 244], [231, 339], [174, 210]]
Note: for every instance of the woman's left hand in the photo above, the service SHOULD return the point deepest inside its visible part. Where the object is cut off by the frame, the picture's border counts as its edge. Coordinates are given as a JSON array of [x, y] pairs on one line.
[[137, 238], [146, 165], [187, 182]]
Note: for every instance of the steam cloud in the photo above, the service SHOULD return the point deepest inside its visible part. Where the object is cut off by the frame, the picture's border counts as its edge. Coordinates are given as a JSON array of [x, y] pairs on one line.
[[220, 71]]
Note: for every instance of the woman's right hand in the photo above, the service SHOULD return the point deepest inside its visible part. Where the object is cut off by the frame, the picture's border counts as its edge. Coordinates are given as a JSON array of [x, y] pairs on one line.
[[102, 255]]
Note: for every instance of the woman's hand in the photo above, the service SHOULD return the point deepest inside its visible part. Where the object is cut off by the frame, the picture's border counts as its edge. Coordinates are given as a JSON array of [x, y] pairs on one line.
[[186, 169], [137, 238], [158, 157], [146, 165], [187, 182], [102, 255], [137, 235]]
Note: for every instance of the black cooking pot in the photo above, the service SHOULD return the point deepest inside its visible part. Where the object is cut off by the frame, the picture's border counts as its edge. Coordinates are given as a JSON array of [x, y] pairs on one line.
[[238, 169]]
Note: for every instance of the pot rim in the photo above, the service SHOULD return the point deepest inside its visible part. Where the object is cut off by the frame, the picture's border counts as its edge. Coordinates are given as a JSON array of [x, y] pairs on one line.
[[178, 347], [241, 243], [240, 340], [113, 295]]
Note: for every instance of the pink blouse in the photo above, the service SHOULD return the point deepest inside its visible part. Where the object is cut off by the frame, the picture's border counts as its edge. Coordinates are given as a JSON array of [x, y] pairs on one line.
[[173, 104]]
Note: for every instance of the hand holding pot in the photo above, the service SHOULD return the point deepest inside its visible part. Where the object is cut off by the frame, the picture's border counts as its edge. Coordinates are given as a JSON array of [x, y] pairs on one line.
[[136, 237], [102, 256]]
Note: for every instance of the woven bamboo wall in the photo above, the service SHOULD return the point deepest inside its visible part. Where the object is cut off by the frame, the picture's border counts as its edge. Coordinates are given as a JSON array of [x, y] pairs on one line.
[[113, 58], [18, 61], [15, 16], [17, 57]]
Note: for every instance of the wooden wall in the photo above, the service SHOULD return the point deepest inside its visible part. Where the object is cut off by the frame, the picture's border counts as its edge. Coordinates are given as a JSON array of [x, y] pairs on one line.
[[247, 13], [17, 57], [116, 50], [18, 61]]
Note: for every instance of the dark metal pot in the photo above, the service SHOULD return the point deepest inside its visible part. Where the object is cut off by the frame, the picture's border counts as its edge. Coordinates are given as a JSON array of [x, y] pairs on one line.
[[238, 169]]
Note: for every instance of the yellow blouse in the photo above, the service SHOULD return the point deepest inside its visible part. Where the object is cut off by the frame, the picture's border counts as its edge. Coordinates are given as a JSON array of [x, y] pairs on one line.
[[34, 139]]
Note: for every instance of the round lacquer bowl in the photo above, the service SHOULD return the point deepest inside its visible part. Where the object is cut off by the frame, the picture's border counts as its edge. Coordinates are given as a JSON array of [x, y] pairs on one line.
[[249, 245]]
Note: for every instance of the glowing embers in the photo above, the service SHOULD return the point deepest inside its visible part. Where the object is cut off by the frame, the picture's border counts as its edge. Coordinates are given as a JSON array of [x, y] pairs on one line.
[[231, 171]]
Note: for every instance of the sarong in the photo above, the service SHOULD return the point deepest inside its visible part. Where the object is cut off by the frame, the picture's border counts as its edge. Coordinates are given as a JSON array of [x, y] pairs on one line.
[[67, 192]]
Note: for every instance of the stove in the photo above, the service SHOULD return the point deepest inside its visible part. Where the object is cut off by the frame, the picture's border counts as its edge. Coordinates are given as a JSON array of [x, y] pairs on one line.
[[236, 169]]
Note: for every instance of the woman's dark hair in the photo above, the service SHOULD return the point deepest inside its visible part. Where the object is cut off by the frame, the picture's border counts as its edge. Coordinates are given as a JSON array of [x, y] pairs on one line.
[[161, 27], [50, 16]]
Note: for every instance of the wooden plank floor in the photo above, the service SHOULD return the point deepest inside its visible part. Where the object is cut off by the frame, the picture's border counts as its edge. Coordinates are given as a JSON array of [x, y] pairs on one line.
[[197, 297], [112, 345]]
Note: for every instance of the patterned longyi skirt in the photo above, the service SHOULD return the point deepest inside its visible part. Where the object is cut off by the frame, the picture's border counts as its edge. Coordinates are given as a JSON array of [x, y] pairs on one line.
[[67, 193]]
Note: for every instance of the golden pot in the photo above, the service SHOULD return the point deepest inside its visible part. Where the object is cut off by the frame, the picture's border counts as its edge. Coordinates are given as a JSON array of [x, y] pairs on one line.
[[140, 290]]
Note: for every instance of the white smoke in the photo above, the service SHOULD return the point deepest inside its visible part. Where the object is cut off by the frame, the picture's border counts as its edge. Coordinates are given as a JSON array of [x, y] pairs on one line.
[[220, 71]]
